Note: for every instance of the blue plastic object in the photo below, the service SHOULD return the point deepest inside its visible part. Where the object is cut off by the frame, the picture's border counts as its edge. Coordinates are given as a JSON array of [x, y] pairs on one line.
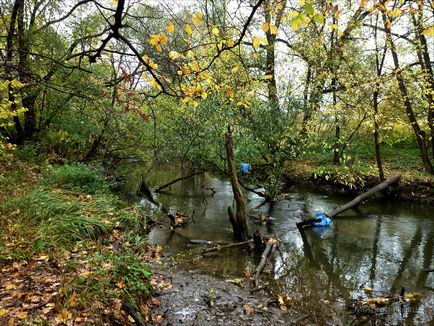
[[325, 220], [245, 168]]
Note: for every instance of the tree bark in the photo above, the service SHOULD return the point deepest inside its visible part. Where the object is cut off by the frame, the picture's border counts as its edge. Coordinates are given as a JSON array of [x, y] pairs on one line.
[[238, 220], [427, 72], [379, 67], [420, 135], [359, 199], [8, 68]]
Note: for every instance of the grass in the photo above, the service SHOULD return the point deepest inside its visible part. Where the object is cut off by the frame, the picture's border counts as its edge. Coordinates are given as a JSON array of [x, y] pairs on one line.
[[65, 225]]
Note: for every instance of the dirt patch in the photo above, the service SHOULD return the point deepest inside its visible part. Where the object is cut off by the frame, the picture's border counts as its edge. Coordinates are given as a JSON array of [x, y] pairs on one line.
[[197, 299]]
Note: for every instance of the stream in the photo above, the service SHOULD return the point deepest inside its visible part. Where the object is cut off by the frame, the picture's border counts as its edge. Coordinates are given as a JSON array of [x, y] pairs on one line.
[[383, 246]]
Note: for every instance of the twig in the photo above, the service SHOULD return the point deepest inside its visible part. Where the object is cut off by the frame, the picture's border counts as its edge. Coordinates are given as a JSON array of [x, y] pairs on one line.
[[237, 244], [259, 288], [130, 310]]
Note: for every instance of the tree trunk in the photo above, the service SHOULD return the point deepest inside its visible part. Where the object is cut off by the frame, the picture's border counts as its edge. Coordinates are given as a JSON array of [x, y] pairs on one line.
[[420, 135], [379, 68], [8, 68], [238, 220], [377, 135], [361, 198], [271, 55], [427, 72]]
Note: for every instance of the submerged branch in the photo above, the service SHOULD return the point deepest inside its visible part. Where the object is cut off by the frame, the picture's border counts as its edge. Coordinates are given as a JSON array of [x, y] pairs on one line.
[[164, 186]]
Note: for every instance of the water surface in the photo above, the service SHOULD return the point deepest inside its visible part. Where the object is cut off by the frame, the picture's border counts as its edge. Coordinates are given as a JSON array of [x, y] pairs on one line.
[[383, 246]]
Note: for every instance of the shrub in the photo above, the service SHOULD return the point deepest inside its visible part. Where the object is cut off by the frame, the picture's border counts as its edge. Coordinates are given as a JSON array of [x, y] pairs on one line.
[[78, 177]]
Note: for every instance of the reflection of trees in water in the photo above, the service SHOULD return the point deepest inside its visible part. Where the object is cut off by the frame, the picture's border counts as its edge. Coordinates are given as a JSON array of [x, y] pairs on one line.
[[317, 273], [407, 254]]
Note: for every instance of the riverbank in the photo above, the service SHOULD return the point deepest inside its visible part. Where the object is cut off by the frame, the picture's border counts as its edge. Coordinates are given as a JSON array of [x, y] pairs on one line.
[[414, 186], [71, 252]]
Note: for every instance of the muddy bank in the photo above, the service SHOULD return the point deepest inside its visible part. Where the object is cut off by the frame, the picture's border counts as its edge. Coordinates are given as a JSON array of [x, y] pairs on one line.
[[198, 299]]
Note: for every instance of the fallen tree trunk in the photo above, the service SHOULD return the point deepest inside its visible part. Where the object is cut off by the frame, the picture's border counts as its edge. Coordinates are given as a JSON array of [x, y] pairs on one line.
[[359, 199], [352, 204], [164, 186]]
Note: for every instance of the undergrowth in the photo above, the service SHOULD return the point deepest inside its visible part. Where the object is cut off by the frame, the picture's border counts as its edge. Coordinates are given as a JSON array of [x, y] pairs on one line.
[[69, 219]]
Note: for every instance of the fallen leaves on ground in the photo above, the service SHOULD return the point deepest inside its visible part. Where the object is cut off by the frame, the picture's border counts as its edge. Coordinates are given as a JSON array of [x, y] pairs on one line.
[[37, 291], [284, 301], [237, 281], [248, 309]]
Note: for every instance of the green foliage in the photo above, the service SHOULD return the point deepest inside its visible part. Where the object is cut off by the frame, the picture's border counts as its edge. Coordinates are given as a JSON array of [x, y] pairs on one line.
[[56, 219], [78, 177]]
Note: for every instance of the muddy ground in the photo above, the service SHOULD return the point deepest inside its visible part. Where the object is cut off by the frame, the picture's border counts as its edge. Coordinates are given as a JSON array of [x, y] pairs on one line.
[[197, 299]]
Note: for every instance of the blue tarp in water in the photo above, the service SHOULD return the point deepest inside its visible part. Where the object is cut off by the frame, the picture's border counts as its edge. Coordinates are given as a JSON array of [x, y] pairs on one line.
[[325, 220]]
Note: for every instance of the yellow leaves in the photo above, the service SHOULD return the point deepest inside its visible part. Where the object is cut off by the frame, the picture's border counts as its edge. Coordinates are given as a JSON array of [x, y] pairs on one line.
[[265, 27], [367, 290], [235, 69], [429, 31], [197, 18], [284, 301], [174, 55], [268, 77], [72, 301], [237, 280], [190, 92], [256, 42], [194, 66], [255, 56], [269, 27], [151, 64], [153, 82], [215, 31], [188, 29], [363, 3], [23, 315], [395, 12], [3, 312], [333, 26], [388, 24], [412, 297], [63, 316], [157, 40], [229, 92], [246, 104], [42, 258], [120, 284], [170, 28], [190, 54], [183, 71]]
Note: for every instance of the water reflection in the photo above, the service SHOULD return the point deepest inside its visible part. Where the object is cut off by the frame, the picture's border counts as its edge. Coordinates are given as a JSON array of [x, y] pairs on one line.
[[384, 246]]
